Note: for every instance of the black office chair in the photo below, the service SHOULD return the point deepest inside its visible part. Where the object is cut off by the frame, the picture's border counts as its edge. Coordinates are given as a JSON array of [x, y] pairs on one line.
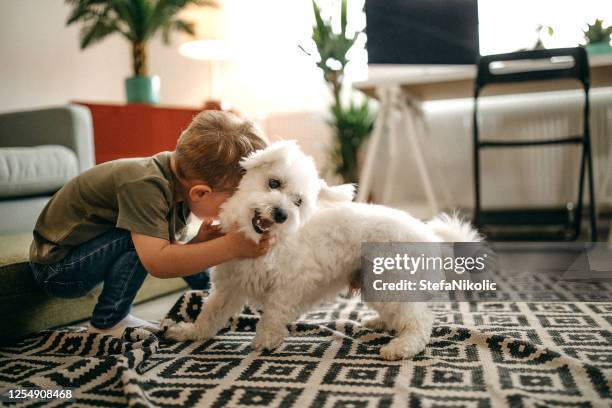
[[567, 219]]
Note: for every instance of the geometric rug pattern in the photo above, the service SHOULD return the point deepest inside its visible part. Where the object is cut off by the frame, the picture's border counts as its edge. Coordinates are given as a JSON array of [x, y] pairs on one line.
[[483, 354]]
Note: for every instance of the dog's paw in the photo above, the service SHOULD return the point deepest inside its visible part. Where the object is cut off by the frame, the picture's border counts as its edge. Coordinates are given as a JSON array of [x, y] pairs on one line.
[[184, 331], [391, 353], [374, 323], [266, 341], [402, 347]]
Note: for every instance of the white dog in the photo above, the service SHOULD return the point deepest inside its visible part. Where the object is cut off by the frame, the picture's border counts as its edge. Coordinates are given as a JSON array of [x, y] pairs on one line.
[[319, 234]]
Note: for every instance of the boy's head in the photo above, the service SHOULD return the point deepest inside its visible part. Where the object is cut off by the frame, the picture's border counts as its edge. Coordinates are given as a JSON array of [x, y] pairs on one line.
[[207, 159]]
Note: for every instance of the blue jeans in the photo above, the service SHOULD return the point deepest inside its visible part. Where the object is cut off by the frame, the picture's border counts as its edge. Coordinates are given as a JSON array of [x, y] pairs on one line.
[[109, 259]]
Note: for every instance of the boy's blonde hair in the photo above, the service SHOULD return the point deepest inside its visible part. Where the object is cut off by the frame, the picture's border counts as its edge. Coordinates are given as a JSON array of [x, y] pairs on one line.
[[211, 147]]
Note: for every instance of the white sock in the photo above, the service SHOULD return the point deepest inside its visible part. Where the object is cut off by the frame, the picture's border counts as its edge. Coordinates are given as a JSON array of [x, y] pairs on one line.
[[117, 330]]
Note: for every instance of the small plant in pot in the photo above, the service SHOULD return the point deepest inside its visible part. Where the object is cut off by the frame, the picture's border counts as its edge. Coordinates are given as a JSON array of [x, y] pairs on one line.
[[138, 21], [352, 122], [598, 38]]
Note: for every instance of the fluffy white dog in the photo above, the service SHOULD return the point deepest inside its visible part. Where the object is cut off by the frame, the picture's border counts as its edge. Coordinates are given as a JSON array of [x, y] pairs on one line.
[[319, 234]]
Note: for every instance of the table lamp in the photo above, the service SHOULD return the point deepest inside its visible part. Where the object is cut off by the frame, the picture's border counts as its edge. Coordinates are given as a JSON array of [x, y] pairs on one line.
[[209, 45]]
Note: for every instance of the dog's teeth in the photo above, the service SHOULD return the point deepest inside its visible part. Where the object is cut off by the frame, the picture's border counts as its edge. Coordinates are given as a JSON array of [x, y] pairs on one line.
[[259, 222]]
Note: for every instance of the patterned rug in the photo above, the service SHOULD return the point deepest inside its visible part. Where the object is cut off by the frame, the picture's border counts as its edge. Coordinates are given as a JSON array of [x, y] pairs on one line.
[[480, 355]]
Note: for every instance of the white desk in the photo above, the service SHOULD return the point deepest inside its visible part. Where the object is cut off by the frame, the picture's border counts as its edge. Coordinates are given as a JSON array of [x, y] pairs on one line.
[[430, 82]]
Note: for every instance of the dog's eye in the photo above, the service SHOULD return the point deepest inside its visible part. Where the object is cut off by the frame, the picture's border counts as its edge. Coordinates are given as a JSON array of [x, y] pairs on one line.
[[274, 183], [298, 201]]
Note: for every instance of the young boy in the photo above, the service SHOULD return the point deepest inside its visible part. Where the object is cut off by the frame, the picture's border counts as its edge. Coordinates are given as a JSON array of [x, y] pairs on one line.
[[121, 219]]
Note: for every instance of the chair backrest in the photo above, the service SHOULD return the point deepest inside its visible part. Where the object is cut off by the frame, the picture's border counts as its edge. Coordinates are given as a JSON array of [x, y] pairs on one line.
[[534, 65]]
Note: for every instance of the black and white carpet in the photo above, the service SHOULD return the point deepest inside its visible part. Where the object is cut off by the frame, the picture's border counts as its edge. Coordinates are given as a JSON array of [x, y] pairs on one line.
[[481, 355]]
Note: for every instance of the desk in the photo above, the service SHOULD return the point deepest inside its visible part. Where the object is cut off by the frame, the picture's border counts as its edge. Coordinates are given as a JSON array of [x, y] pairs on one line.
[[401, 89], [427, 82]]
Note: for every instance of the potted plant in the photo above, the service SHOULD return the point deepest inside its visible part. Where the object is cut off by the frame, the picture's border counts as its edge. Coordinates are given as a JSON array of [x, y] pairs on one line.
[[138, 21], [598, 38], [539, 44], [352, 122]]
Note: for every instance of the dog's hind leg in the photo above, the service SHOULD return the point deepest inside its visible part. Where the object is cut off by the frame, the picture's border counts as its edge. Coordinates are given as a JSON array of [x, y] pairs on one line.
[[412, 323], [218, 308]]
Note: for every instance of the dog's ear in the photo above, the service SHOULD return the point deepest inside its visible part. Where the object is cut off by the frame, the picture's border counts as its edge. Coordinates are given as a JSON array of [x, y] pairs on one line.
[[343, 192], [276, 152]]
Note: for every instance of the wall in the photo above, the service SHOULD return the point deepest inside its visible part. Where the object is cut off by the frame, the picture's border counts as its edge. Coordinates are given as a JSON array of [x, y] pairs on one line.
[[507, 26], [41, 63]]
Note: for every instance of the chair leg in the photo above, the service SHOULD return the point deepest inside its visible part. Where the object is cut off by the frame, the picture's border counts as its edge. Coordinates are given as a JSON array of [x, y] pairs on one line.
[[592, 202], [476, 163]]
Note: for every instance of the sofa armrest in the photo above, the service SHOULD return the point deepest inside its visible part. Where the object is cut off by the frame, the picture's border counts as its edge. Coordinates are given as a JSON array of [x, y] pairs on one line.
[[69, 126]]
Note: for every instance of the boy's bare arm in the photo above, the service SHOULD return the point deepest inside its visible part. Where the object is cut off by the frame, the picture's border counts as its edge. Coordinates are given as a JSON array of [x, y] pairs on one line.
[[165, 260]]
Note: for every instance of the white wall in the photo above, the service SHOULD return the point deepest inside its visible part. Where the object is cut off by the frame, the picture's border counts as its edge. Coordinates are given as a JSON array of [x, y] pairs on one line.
[[41, 64], [507, 26]]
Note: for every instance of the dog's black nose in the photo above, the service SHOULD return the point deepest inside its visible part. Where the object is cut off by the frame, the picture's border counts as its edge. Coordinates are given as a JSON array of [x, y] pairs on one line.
[[280, 215]]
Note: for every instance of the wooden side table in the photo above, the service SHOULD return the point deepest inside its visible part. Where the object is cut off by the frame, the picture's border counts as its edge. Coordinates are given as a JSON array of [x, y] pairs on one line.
[[136, 130]]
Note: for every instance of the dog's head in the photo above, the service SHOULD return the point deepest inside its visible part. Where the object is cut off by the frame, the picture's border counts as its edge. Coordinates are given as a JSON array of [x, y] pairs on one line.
[[279, 192]]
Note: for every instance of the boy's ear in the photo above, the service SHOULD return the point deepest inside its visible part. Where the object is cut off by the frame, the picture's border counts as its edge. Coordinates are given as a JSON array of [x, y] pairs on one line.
[[343, 192], [277, 152], [198, 191]]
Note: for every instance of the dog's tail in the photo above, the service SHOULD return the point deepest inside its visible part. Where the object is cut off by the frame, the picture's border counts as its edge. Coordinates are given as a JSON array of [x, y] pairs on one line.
[[451, 228]]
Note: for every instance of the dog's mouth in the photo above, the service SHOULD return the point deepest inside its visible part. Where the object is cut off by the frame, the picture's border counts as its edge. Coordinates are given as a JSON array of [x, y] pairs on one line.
[[260, 225]]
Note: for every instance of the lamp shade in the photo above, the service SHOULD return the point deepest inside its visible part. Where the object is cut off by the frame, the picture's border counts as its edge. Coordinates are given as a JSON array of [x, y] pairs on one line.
[[207, 50], [209, 42]]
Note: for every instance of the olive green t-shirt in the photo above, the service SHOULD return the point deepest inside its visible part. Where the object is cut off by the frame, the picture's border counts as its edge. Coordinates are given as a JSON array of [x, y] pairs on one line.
[[133, 194]]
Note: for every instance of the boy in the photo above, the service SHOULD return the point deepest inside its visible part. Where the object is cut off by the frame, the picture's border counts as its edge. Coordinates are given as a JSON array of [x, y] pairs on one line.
[[119, 220]]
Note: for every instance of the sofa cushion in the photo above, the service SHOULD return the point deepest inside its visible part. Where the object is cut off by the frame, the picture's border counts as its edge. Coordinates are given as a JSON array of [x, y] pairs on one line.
[[20, 214], [15, 276], [24, 308], [26, 171]]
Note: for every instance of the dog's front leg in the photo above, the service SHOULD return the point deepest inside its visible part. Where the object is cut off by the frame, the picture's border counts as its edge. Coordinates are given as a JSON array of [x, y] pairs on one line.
[[218, 308], [272, 328]]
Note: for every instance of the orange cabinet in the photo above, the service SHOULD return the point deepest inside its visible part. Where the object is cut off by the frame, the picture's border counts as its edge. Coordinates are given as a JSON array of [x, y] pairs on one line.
[[136, 130]]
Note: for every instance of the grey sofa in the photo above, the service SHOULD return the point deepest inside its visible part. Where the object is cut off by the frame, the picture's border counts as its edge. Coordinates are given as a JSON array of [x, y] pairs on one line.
[[39, 151]]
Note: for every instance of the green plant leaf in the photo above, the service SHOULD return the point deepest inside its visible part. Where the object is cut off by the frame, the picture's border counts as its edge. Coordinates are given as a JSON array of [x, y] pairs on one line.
[[96, 32], [597, 33], [137, 20], [163, 17], [85, 9], [320, 25], [145, 26], [321, 29], [343, 17], [183, 26]]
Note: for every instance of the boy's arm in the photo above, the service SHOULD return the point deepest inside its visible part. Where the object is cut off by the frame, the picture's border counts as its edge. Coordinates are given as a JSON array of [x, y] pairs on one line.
[[165, 260]]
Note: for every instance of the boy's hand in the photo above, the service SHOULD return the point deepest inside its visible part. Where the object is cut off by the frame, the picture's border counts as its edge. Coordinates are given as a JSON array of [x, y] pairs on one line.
[[207, 232], [243, 247]]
